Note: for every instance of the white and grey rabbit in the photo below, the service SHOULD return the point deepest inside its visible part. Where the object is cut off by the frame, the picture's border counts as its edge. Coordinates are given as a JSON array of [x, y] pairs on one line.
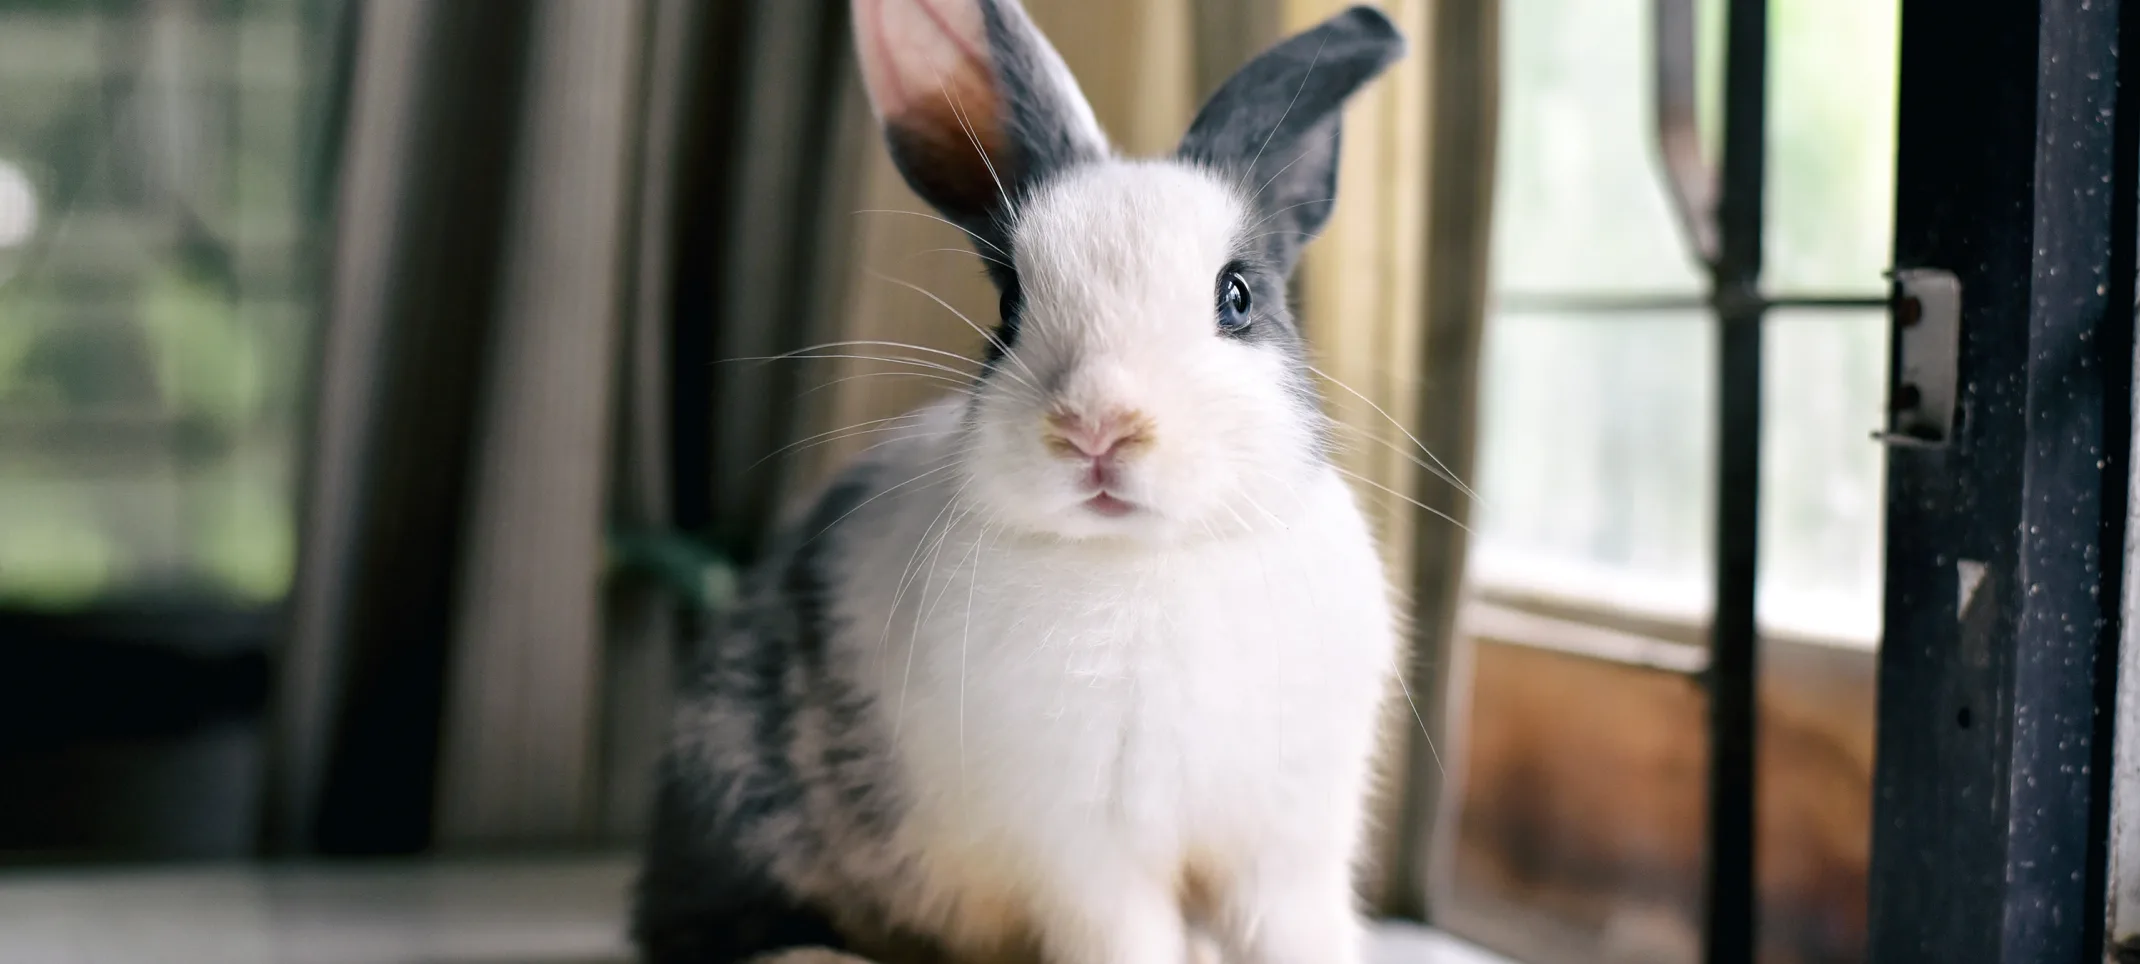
[[1085, 667]]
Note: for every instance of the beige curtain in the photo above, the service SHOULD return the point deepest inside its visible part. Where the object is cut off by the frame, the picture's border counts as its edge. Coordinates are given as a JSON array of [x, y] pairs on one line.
[[1462, 52], [420, 214], [460, 670], [518, 761]]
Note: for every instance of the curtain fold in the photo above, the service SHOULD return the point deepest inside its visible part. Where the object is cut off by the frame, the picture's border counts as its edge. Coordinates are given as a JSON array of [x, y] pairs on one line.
[[522, 718], [768, 225], [485, 251], [419, 216], [641, 622], [1465, 79]]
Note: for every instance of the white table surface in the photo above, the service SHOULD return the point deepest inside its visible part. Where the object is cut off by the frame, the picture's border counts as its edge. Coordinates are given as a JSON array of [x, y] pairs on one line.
[[562, 910]]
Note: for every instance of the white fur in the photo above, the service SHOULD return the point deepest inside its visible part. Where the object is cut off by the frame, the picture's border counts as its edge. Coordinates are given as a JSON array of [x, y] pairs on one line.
[[1091, 711]]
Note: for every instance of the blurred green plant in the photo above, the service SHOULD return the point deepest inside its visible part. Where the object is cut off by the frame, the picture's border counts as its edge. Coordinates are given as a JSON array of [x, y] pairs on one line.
[[152, 330], [52, 554], [208, 361]]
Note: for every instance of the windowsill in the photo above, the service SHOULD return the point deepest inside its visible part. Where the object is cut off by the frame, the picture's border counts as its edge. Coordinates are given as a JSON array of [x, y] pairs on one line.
[[1653, 622], [1584, 635], [1657, 611], [548, 910]]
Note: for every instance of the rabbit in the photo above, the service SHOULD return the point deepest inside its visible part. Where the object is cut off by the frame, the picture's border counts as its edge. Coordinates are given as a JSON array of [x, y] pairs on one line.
[[1084, 665]]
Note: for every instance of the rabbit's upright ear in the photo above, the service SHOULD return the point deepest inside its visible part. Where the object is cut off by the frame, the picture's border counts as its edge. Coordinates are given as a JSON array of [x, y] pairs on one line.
[[1274, 125], [976, 105]]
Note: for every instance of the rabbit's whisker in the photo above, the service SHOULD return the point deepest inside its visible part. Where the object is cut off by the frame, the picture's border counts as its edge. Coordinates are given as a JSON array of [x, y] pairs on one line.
[[1030, 379], [1431, 469], [1423, 507], [1450, 475], [924, 214], [864, 427]]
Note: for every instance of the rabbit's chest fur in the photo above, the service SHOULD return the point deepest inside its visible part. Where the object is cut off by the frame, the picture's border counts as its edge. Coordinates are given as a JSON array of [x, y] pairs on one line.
[[1057, 705]]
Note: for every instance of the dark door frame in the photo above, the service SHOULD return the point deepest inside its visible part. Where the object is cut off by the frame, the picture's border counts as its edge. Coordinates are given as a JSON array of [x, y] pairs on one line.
[[2006, 542]]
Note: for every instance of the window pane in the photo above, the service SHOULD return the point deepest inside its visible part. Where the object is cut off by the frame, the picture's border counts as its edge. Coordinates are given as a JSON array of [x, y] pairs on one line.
[[1822, 495], [154, 305], [1595, 458], [1579, 205], [1831, 156]]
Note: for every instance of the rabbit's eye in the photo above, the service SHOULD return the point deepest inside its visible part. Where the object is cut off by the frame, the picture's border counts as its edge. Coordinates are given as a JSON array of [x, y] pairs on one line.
[[1233, 301]]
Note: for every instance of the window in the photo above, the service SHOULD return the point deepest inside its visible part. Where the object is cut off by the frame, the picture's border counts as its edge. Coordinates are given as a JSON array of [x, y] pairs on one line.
[[1581, 814], [159, 217], [155, 297]]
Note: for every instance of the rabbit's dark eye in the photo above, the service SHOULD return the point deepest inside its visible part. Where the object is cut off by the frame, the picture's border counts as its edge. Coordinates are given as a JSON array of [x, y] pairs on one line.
[[1234, 301]]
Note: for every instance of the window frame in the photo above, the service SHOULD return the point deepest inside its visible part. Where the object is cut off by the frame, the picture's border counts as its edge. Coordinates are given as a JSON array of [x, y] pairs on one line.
[[2003, 155], [1998, 693], [2003, 158]]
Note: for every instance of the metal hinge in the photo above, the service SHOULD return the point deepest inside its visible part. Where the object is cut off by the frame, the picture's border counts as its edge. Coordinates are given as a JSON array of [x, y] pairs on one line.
[[1926, 310]]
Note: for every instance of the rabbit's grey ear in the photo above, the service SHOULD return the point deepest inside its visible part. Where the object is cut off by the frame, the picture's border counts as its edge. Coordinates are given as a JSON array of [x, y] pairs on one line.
[[976, 105], [1274, 125]]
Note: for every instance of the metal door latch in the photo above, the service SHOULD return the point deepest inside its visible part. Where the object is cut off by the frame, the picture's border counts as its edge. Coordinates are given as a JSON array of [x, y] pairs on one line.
[[1926, 309]]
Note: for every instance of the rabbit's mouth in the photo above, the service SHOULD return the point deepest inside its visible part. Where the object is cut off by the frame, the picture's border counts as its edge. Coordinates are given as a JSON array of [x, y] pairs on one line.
[[1106, 504]]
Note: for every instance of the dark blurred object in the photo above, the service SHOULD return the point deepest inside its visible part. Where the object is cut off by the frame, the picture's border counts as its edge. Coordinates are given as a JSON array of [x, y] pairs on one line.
[[111, 748], [74, 679]]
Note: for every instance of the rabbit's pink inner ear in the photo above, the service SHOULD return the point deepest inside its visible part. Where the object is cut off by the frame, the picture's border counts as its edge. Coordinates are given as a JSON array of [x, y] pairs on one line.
[[910, 48], [927, 67]]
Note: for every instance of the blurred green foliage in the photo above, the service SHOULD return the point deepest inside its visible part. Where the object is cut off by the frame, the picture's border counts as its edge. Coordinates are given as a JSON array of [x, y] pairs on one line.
[[153, 330]]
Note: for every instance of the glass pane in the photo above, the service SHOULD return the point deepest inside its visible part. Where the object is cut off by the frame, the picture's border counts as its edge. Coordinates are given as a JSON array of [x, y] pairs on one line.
[[1822, 512], [1822, 496], [1831, 155], [154, 304], [1579, 206], [1596, 451]]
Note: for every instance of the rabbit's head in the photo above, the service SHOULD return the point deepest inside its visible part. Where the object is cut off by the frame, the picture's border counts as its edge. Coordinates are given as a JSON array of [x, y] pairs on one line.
[[1145, 378]]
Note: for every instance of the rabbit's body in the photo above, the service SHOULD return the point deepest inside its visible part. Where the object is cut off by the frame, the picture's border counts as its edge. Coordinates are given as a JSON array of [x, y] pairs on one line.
[[1090, 727], [1089, 658], [985, 729]]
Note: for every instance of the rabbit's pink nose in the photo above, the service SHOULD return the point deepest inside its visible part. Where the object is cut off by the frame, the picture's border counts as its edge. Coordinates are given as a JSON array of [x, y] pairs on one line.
[[1104, 437]]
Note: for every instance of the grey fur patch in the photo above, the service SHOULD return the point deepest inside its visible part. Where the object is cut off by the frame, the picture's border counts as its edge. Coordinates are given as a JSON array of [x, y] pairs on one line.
[[1275, 125], [1048, 121], [1273, 326], [778, 790]]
